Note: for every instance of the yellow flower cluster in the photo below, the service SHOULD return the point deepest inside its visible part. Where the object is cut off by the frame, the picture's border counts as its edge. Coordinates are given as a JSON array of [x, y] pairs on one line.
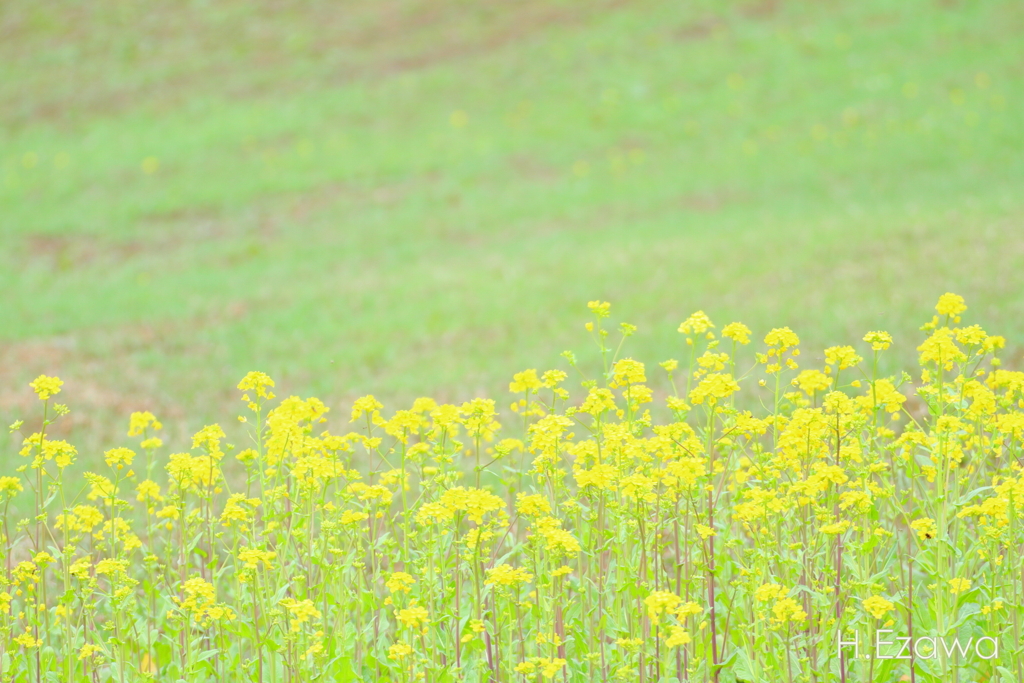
[[684, 526]]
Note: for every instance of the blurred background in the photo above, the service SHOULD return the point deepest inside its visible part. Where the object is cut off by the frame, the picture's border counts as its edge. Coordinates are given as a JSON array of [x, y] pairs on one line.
[[418, 197]]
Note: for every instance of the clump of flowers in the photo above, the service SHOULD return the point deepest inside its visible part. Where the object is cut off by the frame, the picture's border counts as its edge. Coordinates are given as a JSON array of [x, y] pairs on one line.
[[722, 518]]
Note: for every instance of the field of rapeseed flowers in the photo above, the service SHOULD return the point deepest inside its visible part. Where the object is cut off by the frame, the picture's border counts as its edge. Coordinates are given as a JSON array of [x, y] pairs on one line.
[[739, 529]]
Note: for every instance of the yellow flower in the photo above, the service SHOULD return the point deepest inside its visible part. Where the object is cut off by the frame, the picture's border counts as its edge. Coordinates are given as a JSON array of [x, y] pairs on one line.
[[42, 559], [114, 567], [400, 582], [970, 336], [812, 381], [836, 528], [353, 517], [884, 394], [399, 651], [704, 531], [301, 611], [950, 304], [253, 558], [27, 640], [433, 512], [248, 456], [414, 617], [532, 505], [168, 512], [474, 502], [877, 606], [526, 668], [677, 636], [200, 601], [258, 382], [661, 602], [738, 332], [550, 667], [61, 452], [238, 509], [860, 500], [768, 592], [367, 404], [525, 381], [506, 575], [80, 568], [478, 418], [957, 586], [45, 387], [994, 607], [119, 457], [187, 471], [843, 356], [598, 401], [88, 650], [148, 491], [879, 340], [600, 476], [83, 518], [925, 528], [599, 308], [139, 422], [629, 644], [697, 323], [782, 337], [316, 648], [712, 388], [10, 485], [788, 609], [561, 541], [626, 372], [941, 349], [208, 438], [688, 608]]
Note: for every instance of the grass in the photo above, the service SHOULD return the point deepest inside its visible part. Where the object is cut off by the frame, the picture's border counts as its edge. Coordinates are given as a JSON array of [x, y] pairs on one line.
[[417, 198]]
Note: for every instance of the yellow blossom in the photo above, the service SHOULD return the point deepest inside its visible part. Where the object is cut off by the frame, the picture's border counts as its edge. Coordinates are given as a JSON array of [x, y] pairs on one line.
[[252, 558], [414, 617], [139, 422], [879, 340], [738, 332], [877, 606], [45, 387], [712, 388], [661, 602], [258, 382], [399, 651], [925, 528], [400, 582], [119, 457], [677, 636], [950, 304], [698, 323], [788, 609]]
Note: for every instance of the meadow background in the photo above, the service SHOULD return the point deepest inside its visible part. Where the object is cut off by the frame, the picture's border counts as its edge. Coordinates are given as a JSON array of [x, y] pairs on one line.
[[417, 197]]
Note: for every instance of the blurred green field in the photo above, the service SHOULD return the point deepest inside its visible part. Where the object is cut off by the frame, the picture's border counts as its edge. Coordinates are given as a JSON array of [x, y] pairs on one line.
[[419, 197]]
